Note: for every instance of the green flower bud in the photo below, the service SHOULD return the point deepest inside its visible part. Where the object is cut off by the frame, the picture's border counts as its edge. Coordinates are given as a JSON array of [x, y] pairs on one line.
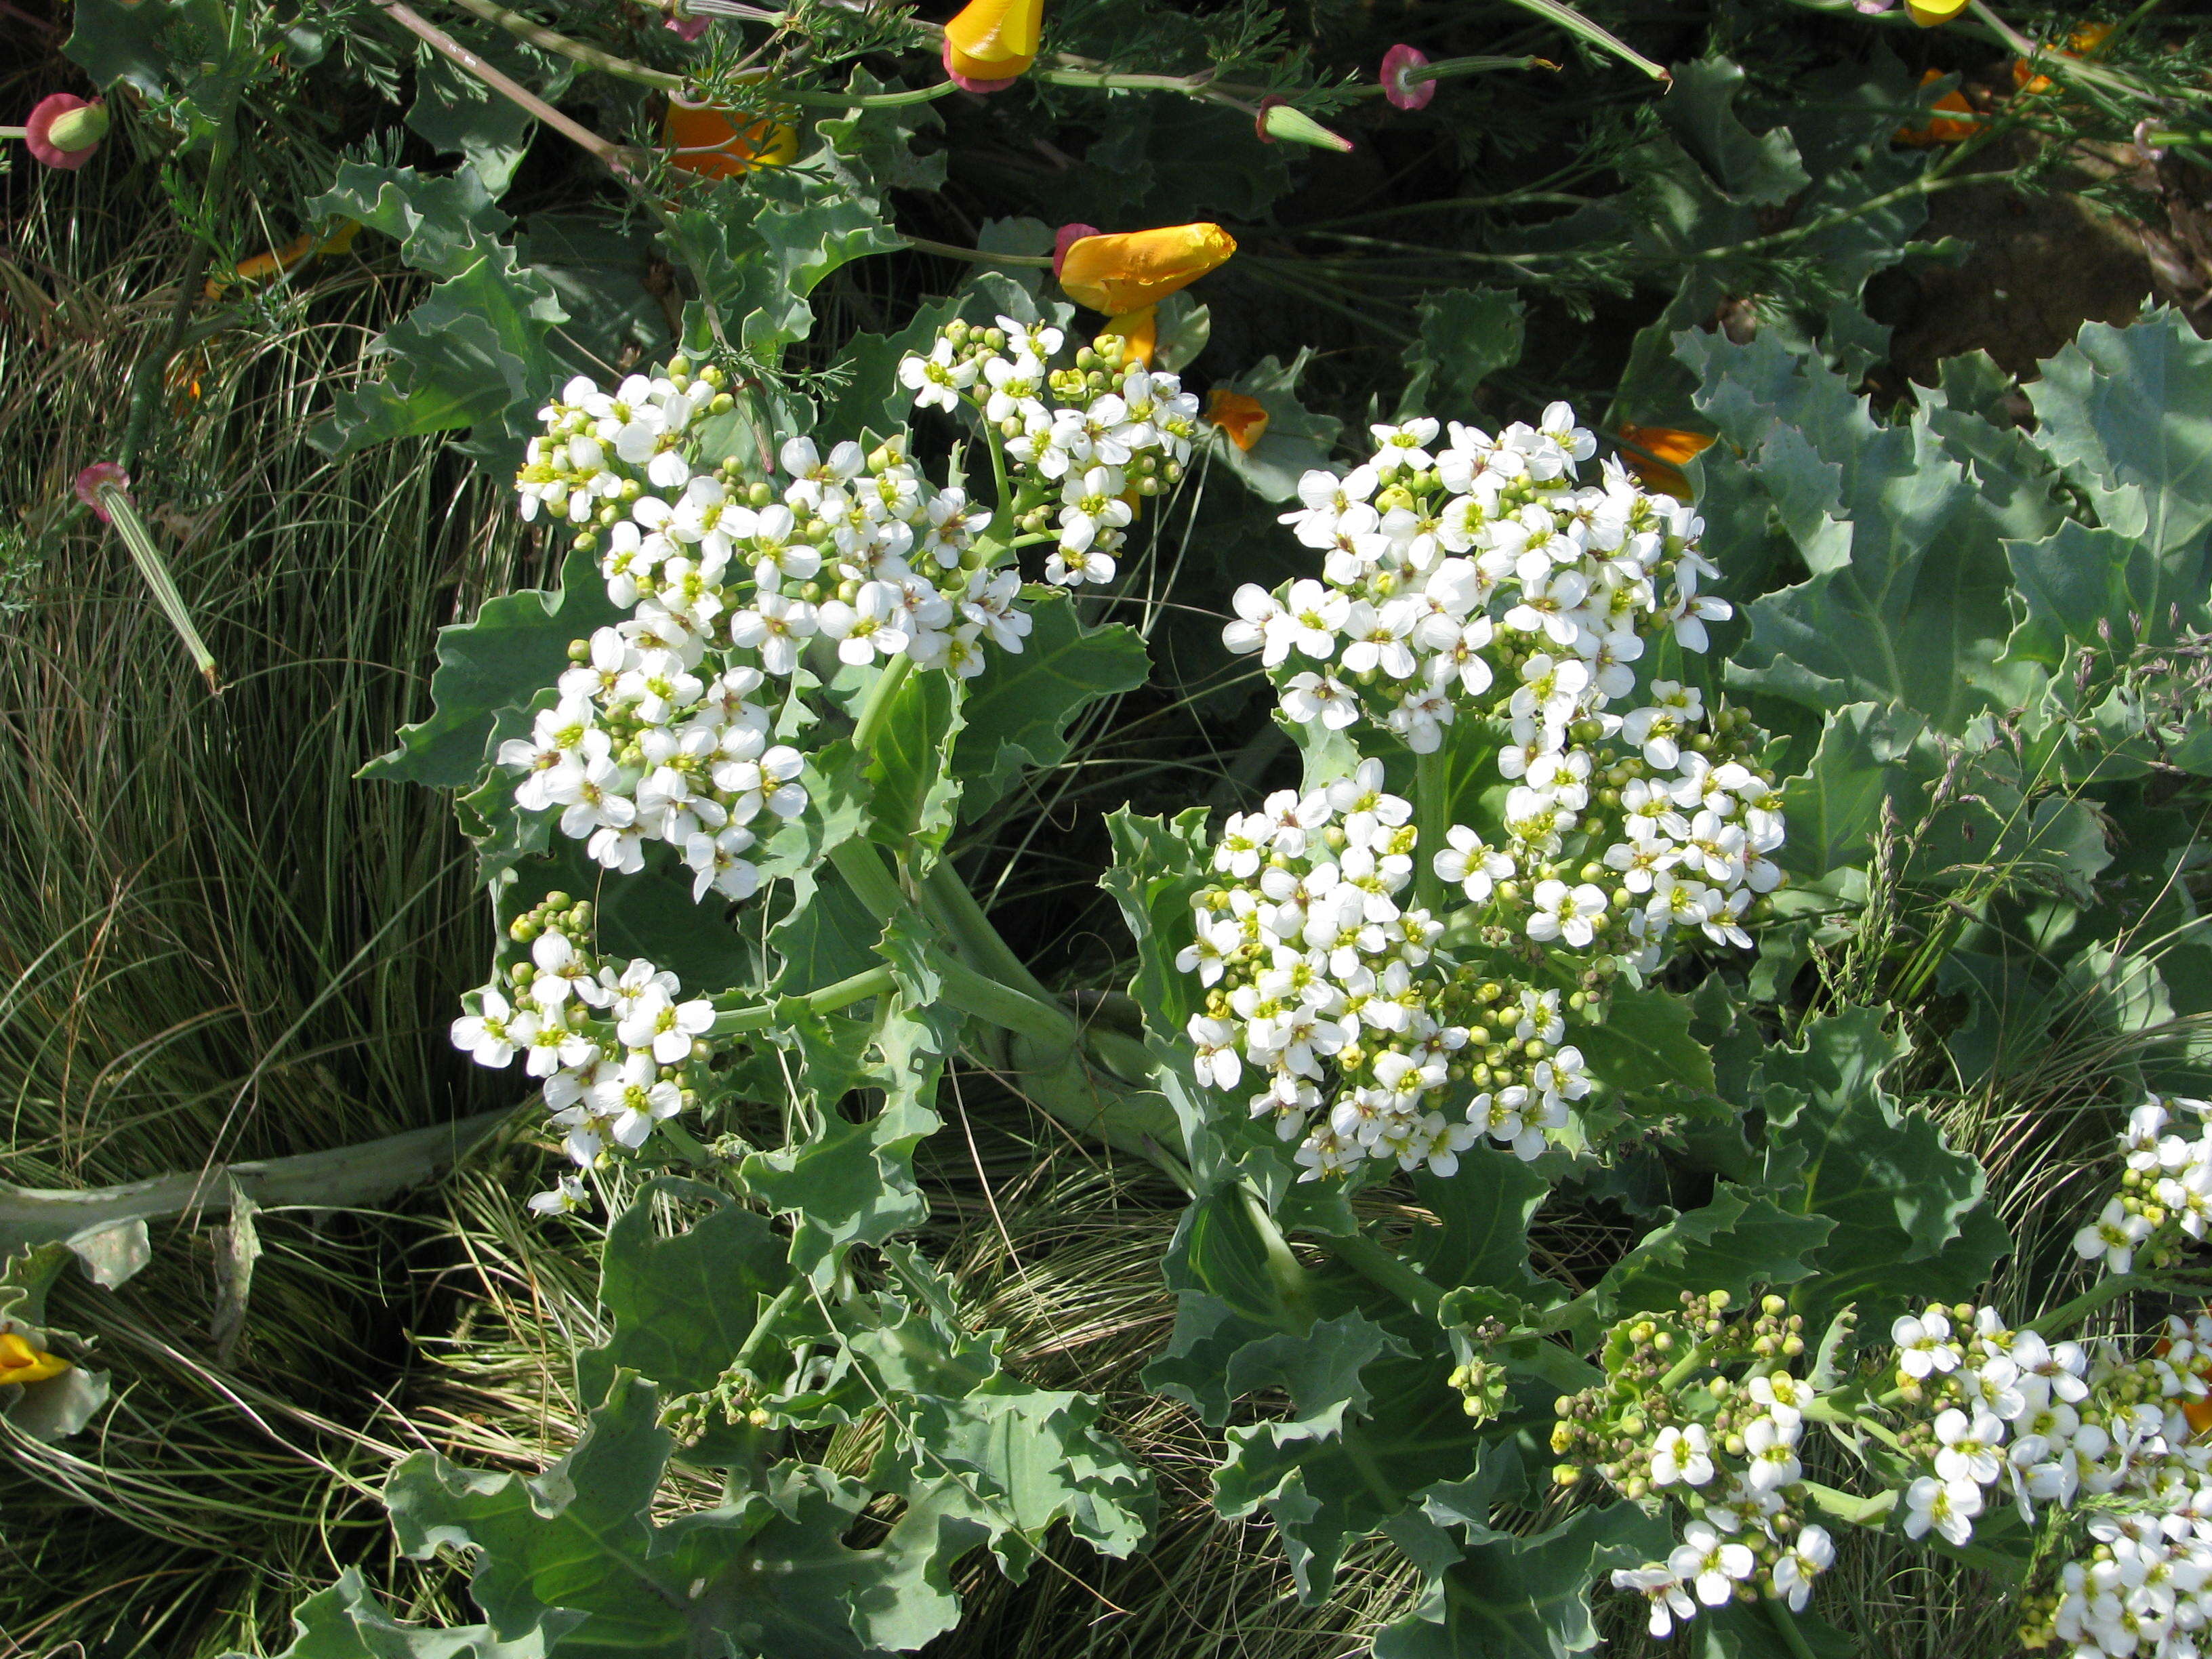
[[1280, 124]]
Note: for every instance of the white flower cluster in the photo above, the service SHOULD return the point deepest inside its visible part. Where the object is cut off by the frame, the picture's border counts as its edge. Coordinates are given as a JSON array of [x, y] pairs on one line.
[[847, 559], [2085, 1428], [1478, 578], [1368, 1041], [2165, 1194], [610, 1042], [1082, 444], [1728, 1453], [2106, 1453], [2082, 1428]]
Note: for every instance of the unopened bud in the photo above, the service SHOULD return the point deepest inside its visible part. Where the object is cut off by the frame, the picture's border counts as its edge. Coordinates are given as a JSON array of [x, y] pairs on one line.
[[1279, 123], [81, 129]]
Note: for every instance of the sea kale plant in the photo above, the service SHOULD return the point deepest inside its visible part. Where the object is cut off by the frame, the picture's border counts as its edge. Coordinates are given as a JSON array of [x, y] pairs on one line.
[[1376, 1026], [1562, 1028]]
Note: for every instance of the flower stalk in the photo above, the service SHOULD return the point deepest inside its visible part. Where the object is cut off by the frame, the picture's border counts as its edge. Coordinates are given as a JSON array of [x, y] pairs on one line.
[[115, 505]]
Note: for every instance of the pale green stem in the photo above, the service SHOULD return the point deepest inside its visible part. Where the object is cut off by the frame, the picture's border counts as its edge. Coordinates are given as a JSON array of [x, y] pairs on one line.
[[1853, 1511], [1383, 1267], [1433, 821], [756, 1338], [977, 994], [827, 1000], [876, 707], [862, 867], [1680, 1371], [1284, 1267], [155, 569], [1820, 1411], [958, 912], [976, 255], [1785, 1626], [999, 476]]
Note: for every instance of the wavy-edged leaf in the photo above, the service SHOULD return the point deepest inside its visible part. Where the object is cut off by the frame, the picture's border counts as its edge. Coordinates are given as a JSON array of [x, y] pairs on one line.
[[1738, 1241], [682, 1303], [1525, 1598], [345, 1622], [1019, 710], [516, 648], [1908, 600], [2133, 406], [1912, 1217], [478, 350], [766, 1571]]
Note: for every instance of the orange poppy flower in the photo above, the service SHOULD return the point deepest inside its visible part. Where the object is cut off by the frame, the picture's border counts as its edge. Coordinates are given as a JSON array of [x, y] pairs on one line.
[[1123, 273], [1243, 417], [2085, 42], [710, 143], [297, 252], [1656, 455], [1938, 130]]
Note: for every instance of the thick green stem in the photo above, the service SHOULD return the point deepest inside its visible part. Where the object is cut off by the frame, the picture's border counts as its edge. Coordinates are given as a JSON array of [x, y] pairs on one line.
[[1823, 1411], [1785, 1626], [1384, 1268], [1853, 1511], [1432, 820], [2066, 1313], [756, 1338], [876, 705], [862, 867], [1678, 1373], [827, 1000], [1004, 1006], [959, 913], [1290, 1273]]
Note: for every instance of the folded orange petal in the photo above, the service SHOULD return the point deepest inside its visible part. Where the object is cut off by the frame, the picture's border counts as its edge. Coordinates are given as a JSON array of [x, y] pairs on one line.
[[2085, 42], [1656, 455], [1122, 273], [717, 143], [1936, 129], [1243, 417]]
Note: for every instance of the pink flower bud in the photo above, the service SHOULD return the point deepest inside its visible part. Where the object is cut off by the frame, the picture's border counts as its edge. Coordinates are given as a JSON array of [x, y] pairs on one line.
[[89, 481], [1397, 87], [688, 28], [63, 131], [1068, 237], [969, 82]]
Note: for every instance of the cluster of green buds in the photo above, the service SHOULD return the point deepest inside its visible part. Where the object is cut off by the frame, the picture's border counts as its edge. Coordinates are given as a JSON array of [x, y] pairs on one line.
[[1706, 1409], [1481, 1381], [734, 1397]]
